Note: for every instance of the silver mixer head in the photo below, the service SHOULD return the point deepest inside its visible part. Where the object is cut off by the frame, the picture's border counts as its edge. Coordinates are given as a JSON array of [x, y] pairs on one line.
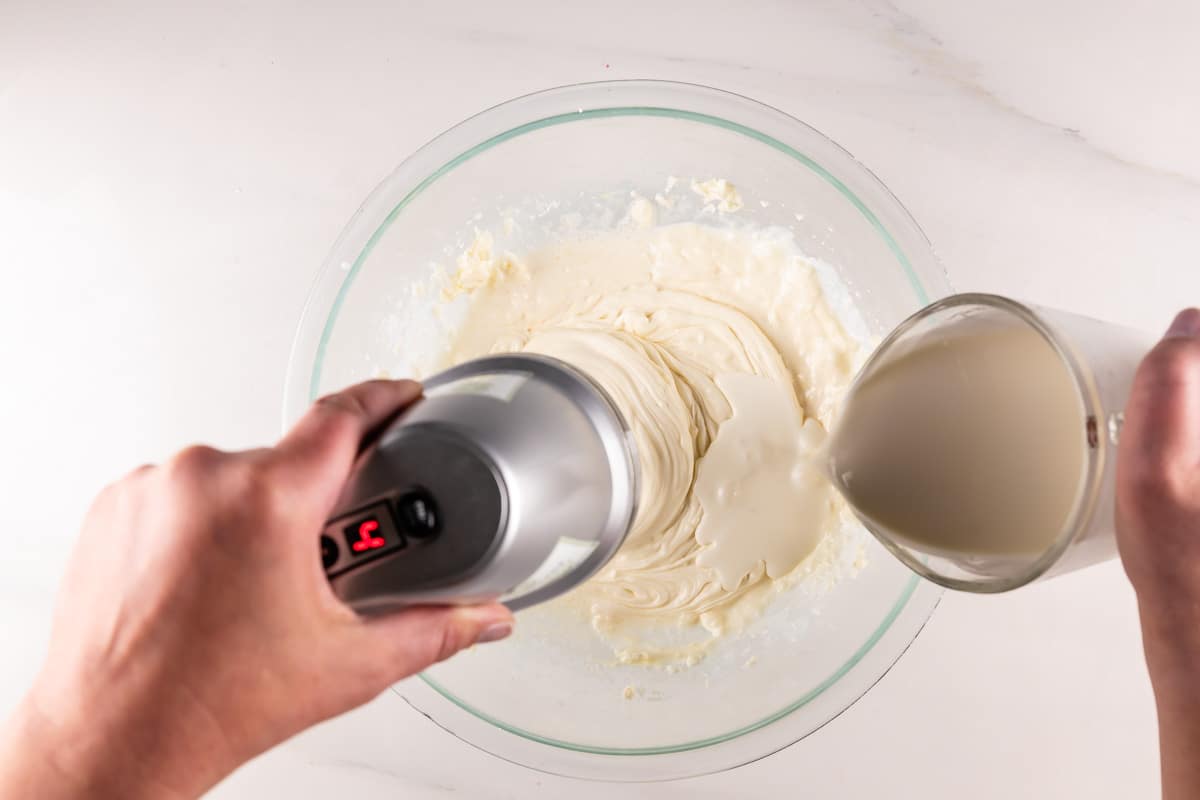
[[515, 477]]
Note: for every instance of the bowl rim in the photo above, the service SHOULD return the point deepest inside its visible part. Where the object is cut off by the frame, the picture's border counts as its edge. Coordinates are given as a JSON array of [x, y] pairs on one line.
[[366, 225], [579, 102]]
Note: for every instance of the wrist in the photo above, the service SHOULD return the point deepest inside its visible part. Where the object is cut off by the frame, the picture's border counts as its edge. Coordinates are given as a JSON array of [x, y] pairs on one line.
[[1171, 639], [27, 765], [65, 745], [57, 760]]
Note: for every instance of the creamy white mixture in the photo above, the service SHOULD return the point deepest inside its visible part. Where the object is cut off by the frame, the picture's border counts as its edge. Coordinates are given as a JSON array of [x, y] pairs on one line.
[[721, 351]]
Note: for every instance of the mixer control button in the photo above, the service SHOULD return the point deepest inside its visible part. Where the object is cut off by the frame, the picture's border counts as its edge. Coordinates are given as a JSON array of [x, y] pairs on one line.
[[418, 514], [329, 552]]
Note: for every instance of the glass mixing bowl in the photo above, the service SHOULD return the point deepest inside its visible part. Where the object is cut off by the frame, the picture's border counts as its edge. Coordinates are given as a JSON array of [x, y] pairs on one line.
[[566, 160]]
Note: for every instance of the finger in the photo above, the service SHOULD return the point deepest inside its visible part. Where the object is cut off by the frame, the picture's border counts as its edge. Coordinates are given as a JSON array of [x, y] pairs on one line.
[[1186, 325], [139, 472], [408, 641], [326, 440], [1162, 418]]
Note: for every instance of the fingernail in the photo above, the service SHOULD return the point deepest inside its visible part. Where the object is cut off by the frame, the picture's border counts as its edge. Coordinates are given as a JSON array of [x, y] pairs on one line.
[[1186, 325], [494, 632]]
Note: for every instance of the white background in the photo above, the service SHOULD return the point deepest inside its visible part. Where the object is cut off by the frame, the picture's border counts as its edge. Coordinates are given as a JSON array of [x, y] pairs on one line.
[[170, 180]]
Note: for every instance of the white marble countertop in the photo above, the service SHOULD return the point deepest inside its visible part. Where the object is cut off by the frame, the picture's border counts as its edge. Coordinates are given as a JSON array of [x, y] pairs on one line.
[[170, 180]]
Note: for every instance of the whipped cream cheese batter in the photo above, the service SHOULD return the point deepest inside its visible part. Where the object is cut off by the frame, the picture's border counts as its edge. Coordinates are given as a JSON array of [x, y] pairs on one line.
[[719, 347]]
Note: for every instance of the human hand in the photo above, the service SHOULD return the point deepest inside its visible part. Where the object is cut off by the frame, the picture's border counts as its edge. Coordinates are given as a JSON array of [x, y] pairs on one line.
[[1158, 531], [1158, 478], [196, 629]]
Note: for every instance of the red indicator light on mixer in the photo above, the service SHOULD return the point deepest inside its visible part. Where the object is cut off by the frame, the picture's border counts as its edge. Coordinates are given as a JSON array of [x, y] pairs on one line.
[[365, 537]]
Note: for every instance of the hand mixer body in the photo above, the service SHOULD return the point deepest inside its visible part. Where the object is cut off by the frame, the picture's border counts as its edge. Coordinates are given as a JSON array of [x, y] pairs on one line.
[[515, 477]]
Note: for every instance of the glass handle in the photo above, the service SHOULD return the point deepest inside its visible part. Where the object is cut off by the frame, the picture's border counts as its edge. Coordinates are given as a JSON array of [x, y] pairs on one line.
[[1116, 421]]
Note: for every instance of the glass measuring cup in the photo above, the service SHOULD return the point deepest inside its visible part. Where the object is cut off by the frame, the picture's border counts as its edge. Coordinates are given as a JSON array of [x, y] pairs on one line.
[[1098, 361]]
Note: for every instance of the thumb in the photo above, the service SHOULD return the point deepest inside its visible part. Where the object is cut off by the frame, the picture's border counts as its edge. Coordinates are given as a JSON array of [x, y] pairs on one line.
[[1163, 412], [1160, 441], [408, 641]]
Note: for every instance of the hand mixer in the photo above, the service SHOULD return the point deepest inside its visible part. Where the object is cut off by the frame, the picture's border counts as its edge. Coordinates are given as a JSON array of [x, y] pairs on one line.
[[513, 478]]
